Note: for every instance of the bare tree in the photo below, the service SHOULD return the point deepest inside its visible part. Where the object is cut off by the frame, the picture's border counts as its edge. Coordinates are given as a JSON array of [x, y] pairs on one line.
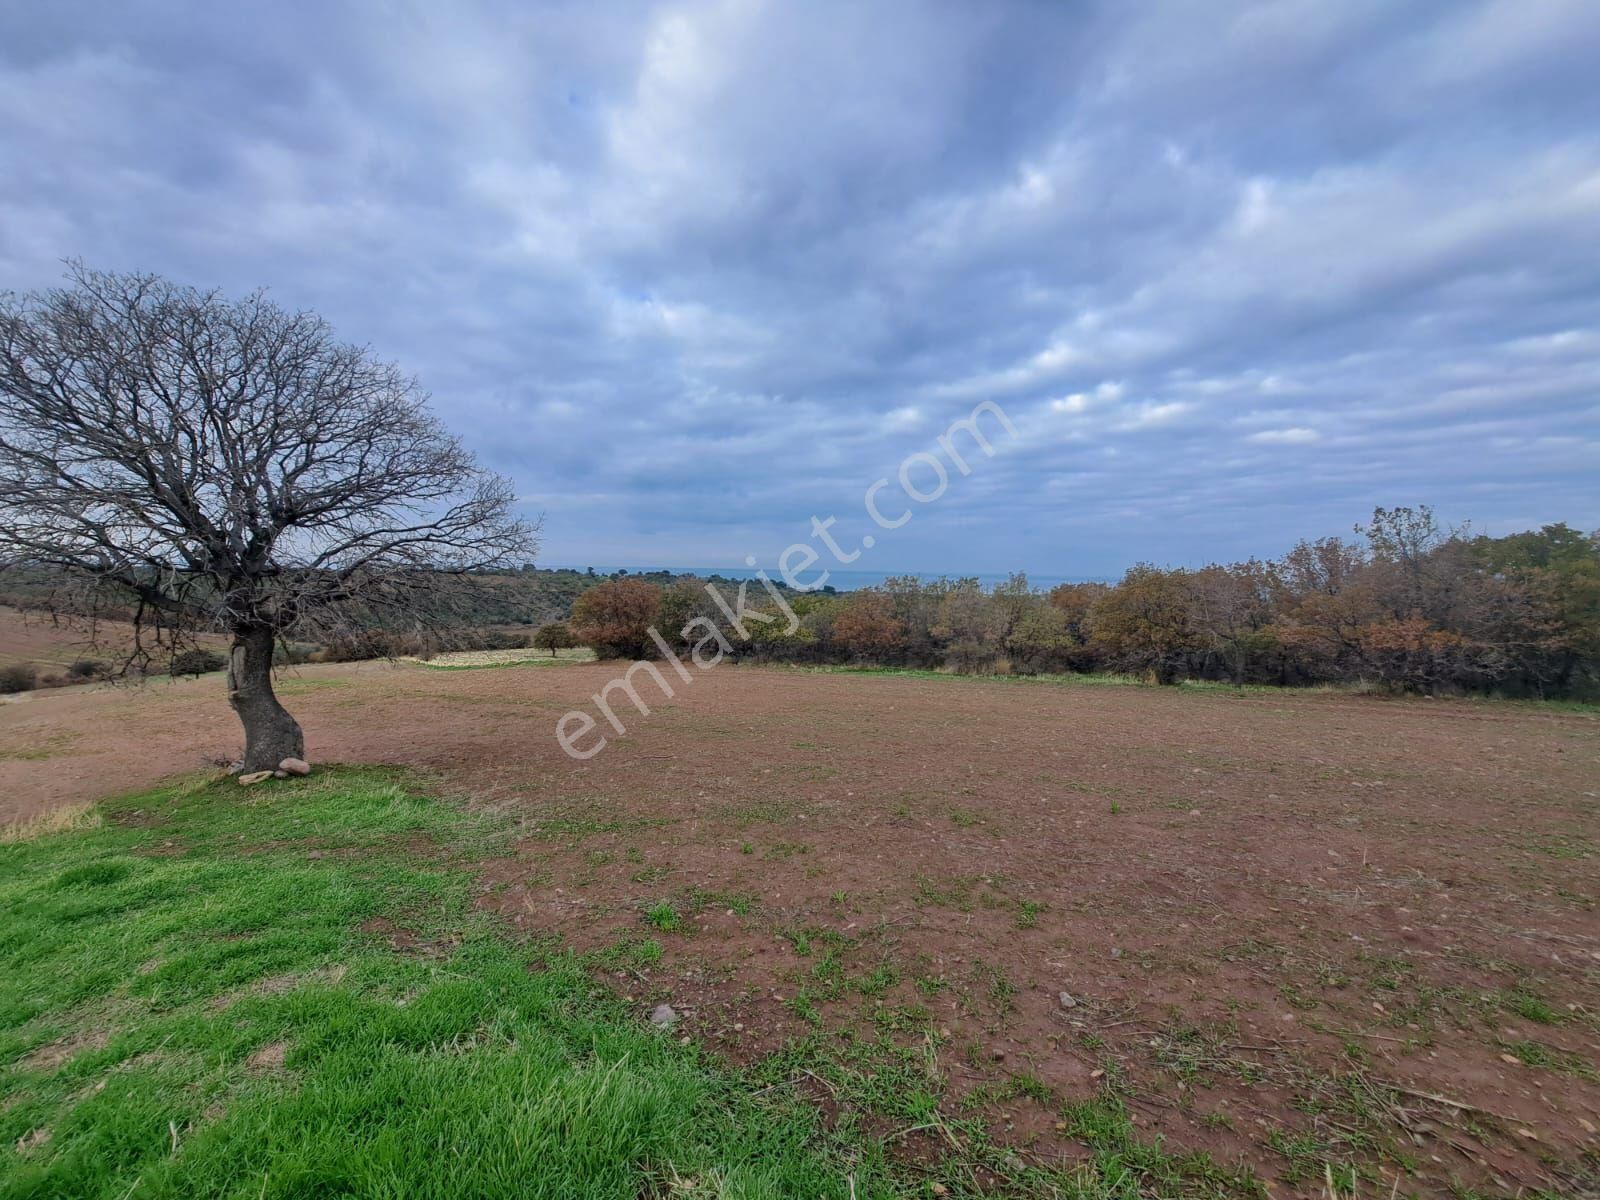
[[229, 465]]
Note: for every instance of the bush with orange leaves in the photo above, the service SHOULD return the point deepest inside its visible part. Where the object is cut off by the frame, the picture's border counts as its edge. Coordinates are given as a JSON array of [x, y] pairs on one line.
[[1413, 654], [867, 627], [614, 618]]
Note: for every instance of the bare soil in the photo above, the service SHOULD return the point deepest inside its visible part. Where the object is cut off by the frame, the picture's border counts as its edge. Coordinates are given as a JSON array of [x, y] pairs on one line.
[[51, 645], [1291, 927]]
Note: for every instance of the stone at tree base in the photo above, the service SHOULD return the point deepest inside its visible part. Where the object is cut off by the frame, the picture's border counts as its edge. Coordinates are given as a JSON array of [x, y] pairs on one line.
[[280, 774], [254, 777], [295, 766]]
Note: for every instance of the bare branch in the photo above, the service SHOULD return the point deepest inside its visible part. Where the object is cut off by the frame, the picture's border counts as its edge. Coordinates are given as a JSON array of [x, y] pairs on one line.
[[230, 465]]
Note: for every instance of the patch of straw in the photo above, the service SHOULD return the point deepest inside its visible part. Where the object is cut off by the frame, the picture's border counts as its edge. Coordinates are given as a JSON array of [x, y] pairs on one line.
[[59, 820]]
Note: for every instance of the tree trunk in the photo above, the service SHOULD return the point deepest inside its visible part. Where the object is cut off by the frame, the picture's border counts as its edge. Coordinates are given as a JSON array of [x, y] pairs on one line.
[[270, 733]]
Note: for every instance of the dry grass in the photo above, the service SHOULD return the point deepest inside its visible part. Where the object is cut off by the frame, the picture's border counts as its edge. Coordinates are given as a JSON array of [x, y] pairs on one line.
[[504, 658], [60, 820]]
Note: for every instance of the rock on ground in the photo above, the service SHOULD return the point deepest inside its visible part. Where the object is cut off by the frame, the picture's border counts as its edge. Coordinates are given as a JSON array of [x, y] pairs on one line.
[[664, 1016]]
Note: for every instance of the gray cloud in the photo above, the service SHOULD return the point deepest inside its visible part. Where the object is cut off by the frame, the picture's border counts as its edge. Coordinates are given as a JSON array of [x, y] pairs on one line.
[[691, 273]]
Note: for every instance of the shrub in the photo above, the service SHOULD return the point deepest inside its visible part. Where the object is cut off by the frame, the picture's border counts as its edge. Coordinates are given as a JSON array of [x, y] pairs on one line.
[[19, 677], [374, 643], [868, 628], [87, 668], [495, 639], [557, 635], [292, 653], [775, 642], [615, 618], [196, 662], [679, 605], [1144, 624], [1043, 641], [970, 626]]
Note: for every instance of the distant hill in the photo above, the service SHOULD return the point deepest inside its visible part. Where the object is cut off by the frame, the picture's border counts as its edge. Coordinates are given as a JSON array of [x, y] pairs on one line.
[[534, 596], [529, 596]]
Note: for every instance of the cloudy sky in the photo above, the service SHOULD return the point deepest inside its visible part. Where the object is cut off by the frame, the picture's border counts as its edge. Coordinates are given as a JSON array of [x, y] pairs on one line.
[[694, 273]]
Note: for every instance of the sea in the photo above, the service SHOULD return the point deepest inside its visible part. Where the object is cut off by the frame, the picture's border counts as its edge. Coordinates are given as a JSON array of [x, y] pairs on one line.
[[839, 578]]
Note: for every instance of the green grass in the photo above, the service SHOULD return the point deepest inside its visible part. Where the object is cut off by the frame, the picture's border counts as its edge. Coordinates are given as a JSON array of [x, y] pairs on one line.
[[148, 990], [1532, 1008], [1537, 1054], [664, 917], [1145, 1168], [287, 992], [1072, 679]]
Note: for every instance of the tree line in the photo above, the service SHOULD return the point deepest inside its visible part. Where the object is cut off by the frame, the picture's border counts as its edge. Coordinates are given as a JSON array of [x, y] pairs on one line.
[[1405, 605]]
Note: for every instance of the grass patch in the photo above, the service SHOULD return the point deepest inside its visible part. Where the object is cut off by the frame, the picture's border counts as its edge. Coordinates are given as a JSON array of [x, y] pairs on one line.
[[1144, 1168], [1531, 1008], [1550, 1058], [214, 1022], [664, 917], [58, 820], [482, 660], [1569, 846]]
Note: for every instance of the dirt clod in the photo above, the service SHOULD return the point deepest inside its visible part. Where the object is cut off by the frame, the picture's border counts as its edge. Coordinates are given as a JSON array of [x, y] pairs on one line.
[[664, 1016]]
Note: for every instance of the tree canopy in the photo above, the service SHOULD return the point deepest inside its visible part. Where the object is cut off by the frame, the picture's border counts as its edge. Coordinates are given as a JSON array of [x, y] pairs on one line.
[[233, 466]]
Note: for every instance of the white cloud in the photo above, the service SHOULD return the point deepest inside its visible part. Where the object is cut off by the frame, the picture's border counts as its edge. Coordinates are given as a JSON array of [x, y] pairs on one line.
[[1297, 435], [1154, 415]]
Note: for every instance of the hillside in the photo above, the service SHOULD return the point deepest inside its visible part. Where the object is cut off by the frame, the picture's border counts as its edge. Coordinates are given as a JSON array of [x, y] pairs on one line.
[[50, 646], [530, 596]]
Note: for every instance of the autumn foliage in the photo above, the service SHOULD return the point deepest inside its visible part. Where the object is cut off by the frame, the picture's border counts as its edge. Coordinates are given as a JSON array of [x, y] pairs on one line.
[[615, 618], [1405, 606]]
